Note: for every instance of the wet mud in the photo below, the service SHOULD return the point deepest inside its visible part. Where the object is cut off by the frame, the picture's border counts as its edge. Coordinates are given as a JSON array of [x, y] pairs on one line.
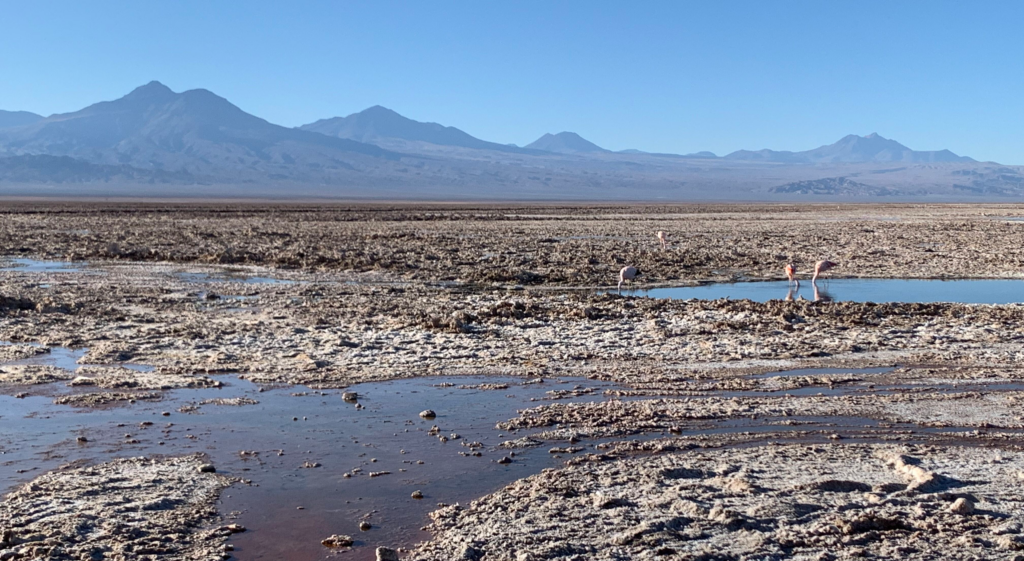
[[306, 459]]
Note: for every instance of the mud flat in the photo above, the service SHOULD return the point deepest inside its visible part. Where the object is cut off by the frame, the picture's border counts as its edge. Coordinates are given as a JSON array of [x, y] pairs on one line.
[[263, 319], [131, 508], [777, 502], [538, 245]]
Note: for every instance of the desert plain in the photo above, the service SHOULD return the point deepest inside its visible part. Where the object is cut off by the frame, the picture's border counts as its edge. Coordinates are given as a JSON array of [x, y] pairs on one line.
[[648, 429]]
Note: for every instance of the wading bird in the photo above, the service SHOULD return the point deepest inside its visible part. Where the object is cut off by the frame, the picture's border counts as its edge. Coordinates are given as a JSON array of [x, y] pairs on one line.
[[791, 274], [627, 273], [821, 267], [664, 242]]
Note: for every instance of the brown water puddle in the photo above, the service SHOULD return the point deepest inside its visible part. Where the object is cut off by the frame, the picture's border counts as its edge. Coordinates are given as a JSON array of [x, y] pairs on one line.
[[289, 508], [296, 446]]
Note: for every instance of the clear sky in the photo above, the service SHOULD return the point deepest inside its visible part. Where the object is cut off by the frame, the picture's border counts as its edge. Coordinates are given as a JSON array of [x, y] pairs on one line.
[[659, 76]]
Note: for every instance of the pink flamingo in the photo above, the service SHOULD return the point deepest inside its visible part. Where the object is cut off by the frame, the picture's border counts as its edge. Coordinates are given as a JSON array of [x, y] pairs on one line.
[[664, 242], [791, 274], [628, 273], [821, 267]]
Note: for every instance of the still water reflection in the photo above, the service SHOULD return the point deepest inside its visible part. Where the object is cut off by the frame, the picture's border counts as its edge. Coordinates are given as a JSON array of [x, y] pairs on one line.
[[853, 290]]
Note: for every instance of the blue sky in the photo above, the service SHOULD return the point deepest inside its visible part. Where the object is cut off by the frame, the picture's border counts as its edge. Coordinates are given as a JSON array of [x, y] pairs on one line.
[[658, 76]]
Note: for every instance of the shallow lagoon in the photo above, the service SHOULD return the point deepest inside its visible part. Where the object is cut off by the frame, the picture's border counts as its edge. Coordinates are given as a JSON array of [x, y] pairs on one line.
[[964, 291]]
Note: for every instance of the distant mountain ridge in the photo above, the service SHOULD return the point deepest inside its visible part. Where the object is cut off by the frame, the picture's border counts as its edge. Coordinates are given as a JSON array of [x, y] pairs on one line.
[[565, 143], [63, 169], [851, 149], [703, 154], [17, 118], [377, 123], [157, 142], [194, 132]]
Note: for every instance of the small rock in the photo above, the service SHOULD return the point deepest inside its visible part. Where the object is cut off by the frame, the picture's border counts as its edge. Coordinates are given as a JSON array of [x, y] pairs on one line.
[[166, 413], [962, 506], [235, 528], [364, 525], [428, 414], [386, 554], [417, 494], [1011, 542], [505, 460], [82, 439], [350, 396], [338, 541], [207, 468]]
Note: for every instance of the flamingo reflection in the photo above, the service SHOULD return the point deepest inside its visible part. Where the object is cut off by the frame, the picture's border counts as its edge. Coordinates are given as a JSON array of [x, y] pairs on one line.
[[821, 295]]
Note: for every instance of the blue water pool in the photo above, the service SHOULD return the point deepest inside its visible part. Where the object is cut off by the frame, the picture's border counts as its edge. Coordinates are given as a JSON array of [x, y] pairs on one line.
[[853, 290]]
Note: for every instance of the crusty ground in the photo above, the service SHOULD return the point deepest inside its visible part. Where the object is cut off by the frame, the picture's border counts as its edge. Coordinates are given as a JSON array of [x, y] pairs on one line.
[[128, 509], [533, 245], [384, 292], [769, 502]]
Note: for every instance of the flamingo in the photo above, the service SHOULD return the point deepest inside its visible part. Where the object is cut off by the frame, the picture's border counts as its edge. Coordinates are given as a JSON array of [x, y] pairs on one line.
[[664, 242], [821, 267], [628, 272], [791, 274]]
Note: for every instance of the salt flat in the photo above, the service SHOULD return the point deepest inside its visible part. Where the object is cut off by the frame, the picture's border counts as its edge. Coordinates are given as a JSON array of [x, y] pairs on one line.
[[164, 299]]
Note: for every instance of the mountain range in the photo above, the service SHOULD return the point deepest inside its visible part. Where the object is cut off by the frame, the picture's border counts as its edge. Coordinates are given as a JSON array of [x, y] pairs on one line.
[[195, 132], [382, 125], [565, 143], [10, 119], [852, 149], [157, 142]]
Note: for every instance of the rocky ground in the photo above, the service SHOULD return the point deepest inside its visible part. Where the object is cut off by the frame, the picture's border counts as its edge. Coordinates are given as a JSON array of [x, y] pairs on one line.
[[368, 293], [770, 502], [532, 245], [133, 508]]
